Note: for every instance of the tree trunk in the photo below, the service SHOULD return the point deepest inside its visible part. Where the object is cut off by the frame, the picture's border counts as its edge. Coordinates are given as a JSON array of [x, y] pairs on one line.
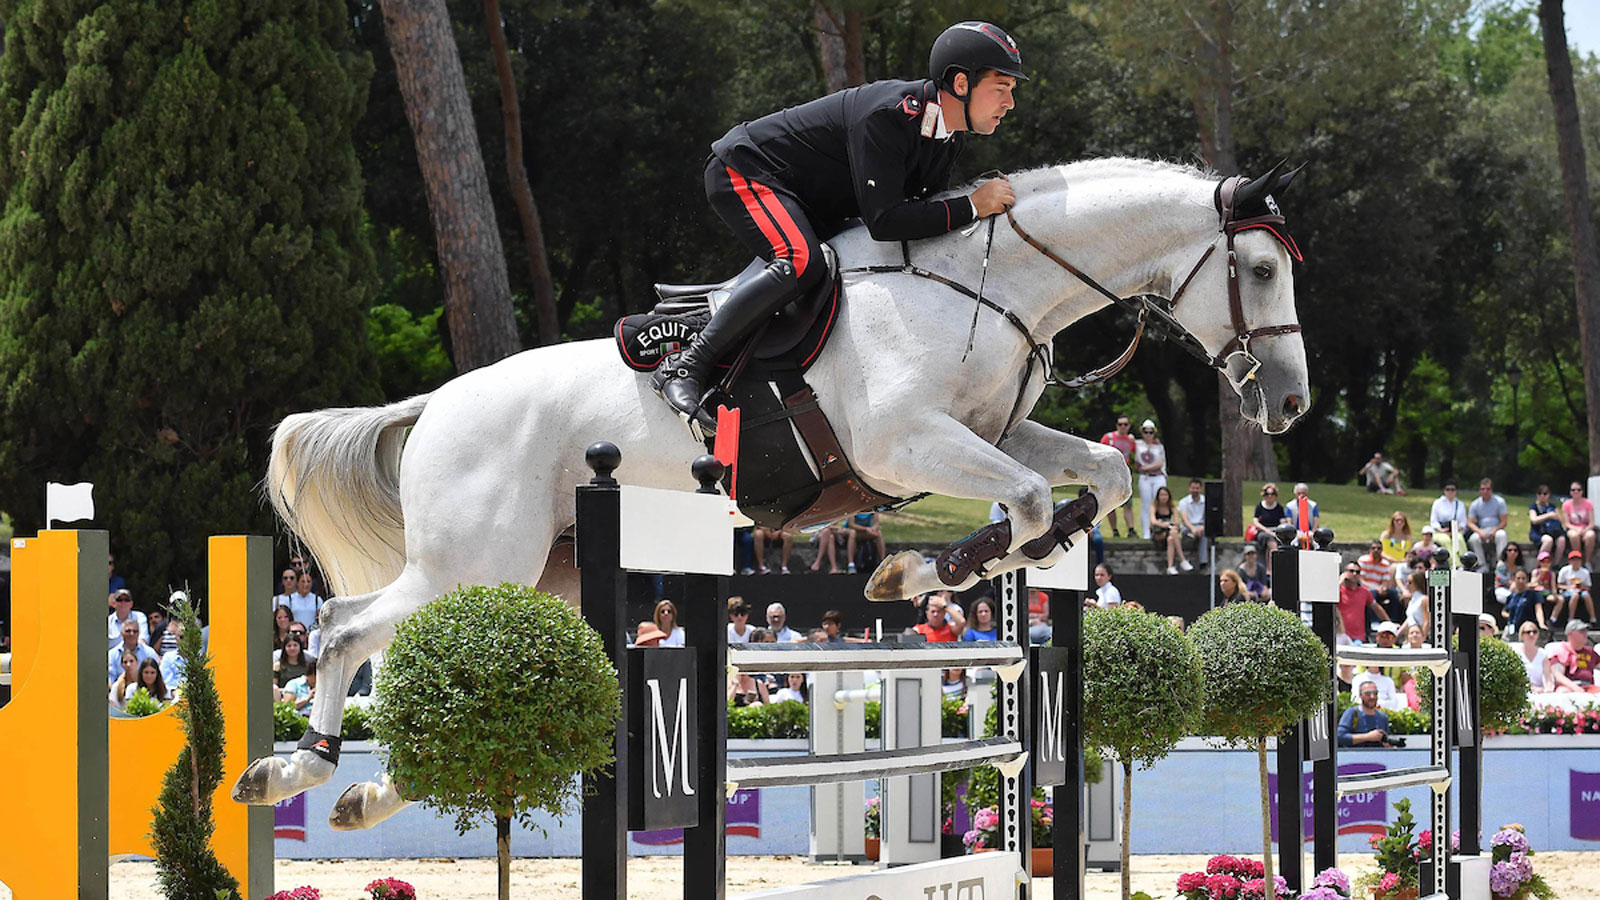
[[1127, 829], [502, 846], [1575, 184], [544, 294], [1266, 819], [855, 59], [477, 296], [831, 48]]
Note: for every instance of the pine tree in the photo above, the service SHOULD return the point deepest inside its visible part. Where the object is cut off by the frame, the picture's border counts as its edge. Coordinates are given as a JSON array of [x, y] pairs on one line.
[[182, 260], [182, 828]]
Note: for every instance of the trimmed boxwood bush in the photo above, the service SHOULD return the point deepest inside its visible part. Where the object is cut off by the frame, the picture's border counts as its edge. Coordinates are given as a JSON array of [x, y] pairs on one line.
[[1502, 684]]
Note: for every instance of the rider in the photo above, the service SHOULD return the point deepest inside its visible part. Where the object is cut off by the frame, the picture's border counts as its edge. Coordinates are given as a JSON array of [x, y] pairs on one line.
[[790, 180]]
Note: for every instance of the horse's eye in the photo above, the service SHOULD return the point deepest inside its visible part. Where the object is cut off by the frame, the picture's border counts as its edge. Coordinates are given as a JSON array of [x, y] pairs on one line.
[[1263, 272]]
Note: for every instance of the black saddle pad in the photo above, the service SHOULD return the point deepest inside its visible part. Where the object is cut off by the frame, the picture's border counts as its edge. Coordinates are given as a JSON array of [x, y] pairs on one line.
[[797, 334]]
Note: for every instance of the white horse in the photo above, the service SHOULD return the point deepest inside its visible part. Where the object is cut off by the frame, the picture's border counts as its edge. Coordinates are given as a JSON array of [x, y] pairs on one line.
[[481, 488]]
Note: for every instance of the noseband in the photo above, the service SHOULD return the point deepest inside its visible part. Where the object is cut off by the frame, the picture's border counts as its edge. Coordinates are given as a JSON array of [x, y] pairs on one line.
[[1162, 321]]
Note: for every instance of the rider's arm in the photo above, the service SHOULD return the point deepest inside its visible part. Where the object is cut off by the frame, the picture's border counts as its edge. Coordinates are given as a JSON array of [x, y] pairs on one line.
[[880, 146]]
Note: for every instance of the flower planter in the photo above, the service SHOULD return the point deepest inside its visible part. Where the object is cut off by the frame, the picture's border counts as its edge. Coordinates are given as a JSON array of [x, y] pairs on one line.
[[1043, 863], [1404, 893], [872, 849]]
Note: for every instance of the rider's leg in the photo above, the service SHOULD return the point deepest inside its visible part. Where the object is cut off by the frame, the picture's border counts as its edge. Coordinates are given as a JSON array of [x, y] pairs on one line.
[[773, 224]]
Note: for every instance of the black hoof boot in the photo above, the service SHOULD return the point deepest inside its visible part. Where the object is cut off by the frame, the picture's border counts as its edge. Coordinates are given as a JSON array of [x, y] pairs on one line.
[[1072, 516], [973, 552]]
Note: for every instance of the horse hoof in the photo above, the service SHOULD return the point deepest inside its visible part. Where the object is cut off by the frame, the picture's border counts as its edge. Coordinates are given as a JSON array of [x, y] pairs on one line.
[[888, 581], [254, 786], [364, 805]]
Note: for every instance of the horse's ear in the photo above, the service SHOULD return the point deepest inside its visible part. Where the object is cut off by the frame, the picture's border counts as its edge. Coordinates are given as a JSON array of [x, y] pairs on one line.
[[1253, 193], [1287, 179]]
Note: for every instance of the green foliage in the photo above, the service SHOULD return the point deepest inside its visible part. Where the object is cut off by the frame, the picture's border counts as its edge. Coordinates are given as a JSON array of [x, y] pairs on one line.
[[1395, 852], [480, 740], [1141, 684], [181, 829], [353, 723], [180, 257], [411, 357], [287, 725], [874, 716], [1264, 671], [1502, 684], [787, 719], [141, 704]]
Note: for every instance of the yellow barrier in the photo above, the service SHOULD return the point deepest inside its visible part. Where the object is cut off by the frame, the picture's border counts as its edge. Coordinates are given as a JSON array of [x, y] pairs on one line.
[[86, 784]]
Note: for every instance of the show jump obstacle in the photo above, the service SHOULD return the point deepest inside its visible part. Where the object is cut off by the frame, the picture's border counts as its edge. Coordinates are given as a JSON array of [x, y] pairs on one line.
[[85, 783], [673, 768], [1456, 597]]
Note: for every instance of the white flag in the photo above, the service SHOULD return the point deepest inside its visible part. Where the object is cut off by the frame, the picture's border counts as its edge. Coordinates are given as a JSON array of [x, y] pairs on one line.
[[68, 502]]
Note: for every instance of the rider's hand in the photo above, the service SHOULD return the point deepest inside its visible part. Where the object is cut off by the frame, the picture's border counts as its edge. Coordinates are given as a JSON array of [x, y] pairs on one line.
[[993, 197]]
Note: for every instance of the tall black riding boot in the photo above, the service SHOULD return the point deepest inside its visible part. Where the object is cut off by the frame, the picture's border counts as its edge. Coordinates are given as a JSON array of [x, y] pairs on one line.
[[682, 379]]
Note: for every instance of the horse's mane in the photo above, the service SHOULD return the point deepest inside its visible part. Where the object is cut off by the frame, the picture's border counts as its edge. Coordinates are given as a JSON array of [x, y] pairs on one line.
[[1098, 168]]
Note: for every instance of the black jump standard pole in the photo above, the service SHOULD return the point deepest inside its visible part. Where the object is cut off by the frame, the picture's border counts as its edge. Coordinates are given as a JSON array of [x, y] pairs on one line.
[[604, 587]]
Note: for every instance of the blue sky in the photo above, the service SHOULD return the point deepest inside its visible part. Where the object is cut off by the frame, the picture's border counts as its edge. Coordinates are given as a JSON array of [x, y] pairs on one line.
[[1583, 25]]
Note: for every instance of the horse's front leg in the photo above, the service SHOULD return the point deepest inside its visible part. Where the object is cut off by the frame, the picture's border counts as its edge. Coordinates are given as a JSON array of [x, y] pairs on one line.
[[944, 457]]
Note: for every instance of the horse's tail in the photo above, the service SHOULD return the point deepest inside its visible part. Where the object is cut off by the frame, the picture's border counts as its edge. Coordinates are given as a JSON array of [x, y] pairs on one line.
[[334, 480]]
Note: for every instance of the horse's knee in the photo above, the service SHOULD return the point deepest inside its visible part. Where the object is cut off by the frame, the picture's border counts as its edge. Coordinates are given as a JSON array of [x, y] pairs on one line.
[[1030, 509]]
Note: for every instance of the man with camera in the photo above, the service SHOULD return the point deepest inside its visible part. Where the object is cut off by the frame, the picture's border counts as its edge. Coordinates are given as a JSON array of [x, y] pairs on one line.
[[1365, 724]]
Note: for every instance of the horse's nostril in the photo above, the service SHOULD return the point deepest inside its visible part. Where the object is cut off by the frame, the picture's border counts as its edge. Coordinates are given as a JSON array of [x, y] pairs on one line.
[[1293, 405]]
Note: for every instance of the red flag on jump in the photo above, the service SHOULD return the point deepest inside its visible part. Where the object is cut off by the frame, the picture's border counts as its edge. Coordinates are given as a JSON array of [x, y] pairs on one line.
[[726, 446]]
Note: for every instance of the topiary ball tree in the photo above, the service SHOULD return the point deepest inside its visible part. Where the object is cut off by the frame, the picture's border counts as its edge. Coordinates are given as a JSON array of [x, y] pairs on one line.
[[1264, 672], [1141, 695], [1502, 684], [490, 703]]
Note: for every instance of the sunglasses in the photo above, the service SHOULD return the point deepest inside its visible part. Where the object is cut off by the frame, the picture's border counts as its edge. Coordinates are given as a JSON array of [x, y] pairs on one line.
[[1269, 493], [1529, 631], [741, 612], [1148, 430]]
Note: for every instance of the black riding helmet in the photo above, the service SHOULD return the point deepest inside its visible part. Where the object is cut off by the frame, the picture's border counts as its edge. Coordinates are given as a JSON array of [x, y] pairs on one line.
[[971, 47]]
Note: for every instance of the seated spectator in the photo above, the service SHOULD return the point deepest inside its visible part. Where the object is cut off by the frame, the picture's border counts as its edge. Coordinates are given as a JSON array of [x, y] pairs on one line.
[[1192, 518], [1487, 518], [1106, 594], [1572, 662], [1448, 515], [1524, 604], [1486, 627], [291, 662], [1380, 476], [941, 620], [818, 636], [282, 618], [665, 617], [1231, 589], [160, 641], [984, 621], [1416, 637], [1254, 574], [1164, 530], [172, 666], [1365, 724], [746, 691], [1424, 548], [954, 684], [778, 624], [1389, 697], [823, 540], [150, 679], [1039, 630], [1573, 589], [1304, 514], [122, 611], [1544, 524], [301, 690], [1418, 610], [1577, 519], [764, 536], [1543, 576], [1377, 576], [1405, 685], [1354, 602], [649, 634], [794, 688], [1263, 525], [130, 643], [1509, 562], [1396, 537], [114, 582], [288, 580], [833, 626], [127, 677], [738, 621], [865, 531], [1534, 657]]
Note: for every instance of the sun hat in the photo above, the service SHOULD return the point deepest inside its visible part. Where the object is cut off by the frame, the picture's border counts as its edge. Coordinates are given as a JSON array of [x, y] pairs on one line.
[[1486, 619], [1544, 554], [649, 635], [1387, 628], [1575, 554], [1577, 625], [1427, 529]]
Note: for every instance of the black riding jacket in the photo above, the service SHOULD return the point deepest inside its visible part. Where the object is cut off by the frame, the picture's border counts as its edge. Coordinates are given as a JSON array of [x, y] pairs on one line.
[[859, 153]]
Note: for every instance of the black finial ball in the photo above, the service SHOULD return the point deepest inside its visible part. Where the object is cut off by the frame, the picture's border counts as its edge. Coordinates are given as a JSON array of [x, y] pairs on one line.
[[1441, 557], [1322, 537], [1285, 534], [1469, 561], [603, 457], [708, 472]]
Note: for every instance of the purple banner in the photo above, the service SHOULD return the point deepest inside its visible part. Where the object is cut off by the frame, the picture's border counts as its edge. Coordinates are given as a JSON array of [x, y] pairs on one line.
[[1365, 813], [744, 820], [289, 819], [1585, 804]]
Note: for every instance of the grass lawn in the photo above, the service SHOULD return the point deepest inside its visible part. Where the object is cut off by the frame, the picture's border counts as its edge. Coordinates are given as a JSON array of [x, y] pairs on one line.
[[1352, 513]]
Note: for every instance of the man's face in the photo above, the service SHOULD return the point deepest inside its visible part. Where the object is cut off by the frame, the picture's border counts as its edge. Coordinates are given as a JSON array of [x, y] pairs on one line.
[[1194, 488], [1578, 639], [1352, 574], [123, 604], [1369, 697], [130, 633], [991, 98], [290, 578], [1123, 425], [776, 617], [936, 612], [1299, 491], [156, 618], [1486, 490], [304, 583], [1375, 549]]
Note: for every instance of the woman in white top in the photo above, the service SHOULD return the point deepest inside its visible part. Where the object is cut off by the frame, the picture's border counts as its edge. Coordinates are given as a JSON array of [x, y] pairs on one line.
[[1532, 655], [1417, 609], [127, 680], [666, 619], [1150, 461], [738, 621], [794, 688]]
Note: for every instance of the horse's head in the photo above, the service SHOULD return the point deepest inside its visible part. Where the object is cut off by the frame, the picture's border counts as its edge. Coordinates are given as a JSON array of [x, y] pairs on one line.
[[1238, 301]]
